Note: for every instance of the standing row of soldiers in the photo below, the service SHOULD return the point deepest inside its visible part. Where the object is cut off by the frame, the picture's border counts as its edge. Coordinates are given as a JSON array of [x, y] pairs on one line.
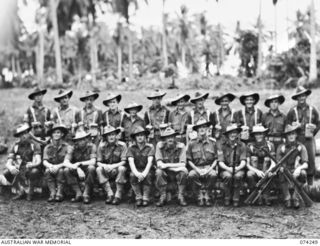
[[70, 145]]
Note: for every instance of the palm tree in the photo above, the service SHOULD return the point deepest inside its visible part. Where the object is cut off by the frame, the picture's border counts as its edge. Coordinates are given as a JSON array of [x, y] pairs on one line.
[[118, 38], [259, 64], [53, 12], [164, 35], [184, 33], [313, 52], [122, 7]]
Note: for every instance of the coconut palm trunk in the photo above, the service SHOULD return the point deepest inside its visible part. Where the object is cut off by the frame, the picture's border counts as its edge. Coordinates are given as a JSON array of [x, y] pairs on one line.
[[164, 36], [53, 10], [313, 52], [130, 53], [259, 63]]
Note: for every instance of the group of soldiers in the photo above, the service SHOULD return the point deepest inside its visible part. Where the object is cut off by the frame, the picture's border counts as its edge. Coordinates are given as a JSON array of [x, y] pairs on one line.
[[83, 148]]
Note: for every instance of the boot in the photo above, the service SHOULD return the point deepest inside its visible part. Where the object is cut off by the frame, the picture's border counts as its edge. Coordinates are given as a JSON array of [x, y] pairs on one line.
[[182, 201], [146, 195], [207, 201], [52, 190], [86, 194], [137, 191], [163, 197], [200, 198], [118, 196], [19, 195], [108, 190], [59, 195], [77, 190], [31, 192]]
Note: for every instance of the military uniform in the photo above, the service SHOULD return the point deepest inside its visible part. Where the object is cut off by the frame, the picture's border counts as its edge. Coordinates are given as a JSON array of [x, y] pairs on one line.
[[66, 117], [38, 113], [155, 117], [56, 155], [276, 124], [88, 117], [223, 120], [226, 155], [128, 125], [179, 121], [259, 159], [202, 153], [111, 154], [174, 154], [81, 154], [140, 157], [299, 157], [113, 118], [249, 118], [24, 152], [302, 116]]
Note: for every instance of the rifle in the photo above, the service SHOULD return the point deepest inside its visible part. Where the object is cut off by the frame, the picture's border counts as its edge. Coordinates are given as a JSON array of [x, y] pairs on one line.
[[264, 182], [288, 176], [233, 167]]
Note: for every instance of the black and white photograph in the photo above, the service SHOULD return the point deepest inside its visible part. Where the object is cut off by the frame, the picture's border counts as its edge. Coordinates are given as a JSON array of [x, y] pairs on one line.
[[159, 119]]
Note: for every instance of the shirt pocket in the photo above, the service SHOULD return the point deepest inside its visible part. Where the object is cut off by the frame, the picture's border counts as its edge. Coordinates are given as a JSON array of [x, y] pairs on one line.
[[196, 153]]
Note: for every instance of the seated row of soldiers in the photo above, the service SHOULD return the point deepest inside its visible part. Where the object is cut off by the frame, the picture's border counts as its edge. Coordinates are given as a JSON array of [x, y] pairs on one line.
[[200, 162], [91, 120]]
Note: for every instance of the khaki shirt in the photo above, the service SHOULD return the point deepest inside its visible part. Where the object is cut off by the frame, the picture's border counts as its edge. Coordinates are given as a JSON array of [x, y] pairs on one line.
[[78, 154], [158, 116], [179, 120], [90, 116], [226, 152], [249, 118], [111, 153], [56, 154], [253, 151], [275, 123], [26, 150], [283, 149], [175, 154], [66, 117], [129, 125], [224, 121], [140, 156], [111, 118], [202, 152], [304, 117], [37, 113], [196, 115]]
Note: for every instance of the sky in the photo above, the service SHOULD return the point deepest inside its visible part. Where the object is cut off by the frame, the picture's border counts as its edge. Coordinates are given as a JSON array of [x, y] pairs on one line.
[[227, 12]]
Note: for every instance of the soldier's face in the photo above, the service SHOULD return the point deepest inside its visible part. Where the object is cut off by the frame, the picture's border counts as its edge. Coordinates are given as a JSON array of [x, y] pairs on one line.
[[113, 104], [200, 103], [170, 140], [65, 101], [156, 101], [57, 134], [259, 137], [89, 101], [181, 103], [302, 99], [249, 102], [274, 104], [38, 98], [82, 142], [140, 138], [224, 102], [24, 136], [233, 135], [111, 137], [202, 131], [37, 131], [133, 112], [291, 137]]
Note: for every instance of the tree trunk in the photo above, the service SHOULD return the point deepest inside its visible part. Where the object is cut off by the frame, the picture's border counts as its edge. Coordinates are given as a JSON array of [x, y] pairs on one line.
[[130, 53], [93, 60], [259, 63], [183, 54], [164, 37], [41, 57], [119, 52], [313, 52], [221, 49], [54, 5], [275, 30]]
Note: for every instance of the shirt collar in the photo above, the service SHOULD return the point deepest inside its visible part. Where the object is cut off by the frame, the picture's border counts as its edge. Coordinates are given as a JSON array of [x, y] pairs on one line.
[[228, 110], [250, 111], [37, 106], [278, 113], [206, 140], [303, 107]]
